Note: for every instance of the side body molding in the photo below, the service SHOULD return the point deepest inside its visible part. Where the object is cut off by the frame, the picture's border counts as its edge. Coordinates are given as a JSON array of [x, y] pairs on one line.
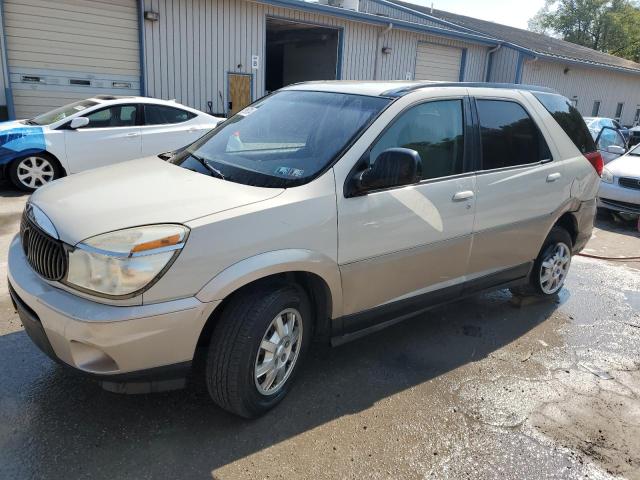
[[270, 263]]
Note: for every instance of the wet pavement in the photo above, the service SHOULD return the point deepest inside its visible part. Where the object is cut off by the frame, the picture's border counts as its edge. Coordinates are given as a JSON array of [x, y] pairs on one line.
[[483, 388]]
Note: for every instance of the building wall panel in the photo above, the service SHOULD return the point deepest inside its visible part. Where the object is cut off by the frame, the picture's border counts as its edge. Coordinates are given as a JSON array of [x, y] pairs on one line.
[[588, 85], [504, 62]]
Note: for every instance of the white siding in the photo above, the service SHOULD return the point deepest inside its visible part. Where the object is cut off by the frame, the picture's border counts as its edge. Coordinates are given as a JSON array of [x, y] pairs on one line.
[[63, 40], [438, 62], [189, 51], [588, 85], [504, 63]]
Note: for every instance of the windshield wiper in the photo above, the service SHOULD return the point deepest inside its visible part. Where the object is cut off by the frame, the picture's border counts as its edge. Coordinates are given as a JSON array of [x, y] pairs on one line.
[[205, 163]]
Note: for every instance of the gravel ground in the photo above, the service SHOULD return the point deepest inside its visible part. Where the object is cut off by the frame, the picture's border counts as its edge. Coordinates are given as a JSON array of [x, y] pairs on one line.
[[483, 388]]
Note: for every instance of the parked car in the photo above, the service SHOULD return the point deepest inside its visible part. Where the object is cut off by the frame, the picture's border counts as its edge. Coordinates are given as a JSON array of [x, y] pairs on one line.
[[634, 136], [92, 133], [596, 124], [323, 211], [620, 187], [610, 143]]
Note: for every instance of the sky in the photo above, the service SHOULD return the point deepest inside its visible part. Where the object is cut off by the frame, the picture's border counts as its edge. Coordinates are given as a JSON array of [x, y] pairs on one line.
[[515, 13]]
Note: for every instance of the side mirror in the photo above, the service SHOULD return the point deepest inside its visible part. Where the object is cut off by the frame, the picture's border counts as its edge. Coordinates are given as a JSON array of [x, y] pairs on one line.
[[79, 122], [394, 167], [615, 149]]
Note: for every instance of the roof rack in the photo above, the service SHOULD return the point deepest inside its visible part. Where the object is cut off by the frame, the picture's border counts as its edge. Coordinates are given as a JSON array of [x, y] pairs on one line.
[[399, 92]]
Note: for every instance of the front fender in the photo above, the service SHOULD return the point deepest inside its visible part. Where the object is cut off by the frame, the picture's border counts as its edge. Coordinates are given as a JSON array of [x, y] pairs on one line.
[[271, 263]]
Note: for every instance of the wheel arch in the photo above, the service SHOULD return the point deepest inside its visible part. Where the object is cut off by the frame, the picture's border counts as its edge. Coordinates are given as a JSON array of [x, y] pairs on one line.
[[568, 222]]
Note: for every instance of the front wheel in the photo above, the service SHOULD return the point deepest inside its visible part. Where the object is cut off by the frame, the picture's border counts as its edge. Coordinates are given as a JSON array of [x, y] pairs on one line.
[[551, 267], [256, 348], [32, 172]]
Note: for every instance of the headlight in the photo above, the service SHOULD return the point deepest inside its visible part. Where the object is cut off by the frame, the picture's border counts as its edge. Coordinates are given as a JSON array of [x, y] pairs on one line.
[[125, 262], [607, 176]]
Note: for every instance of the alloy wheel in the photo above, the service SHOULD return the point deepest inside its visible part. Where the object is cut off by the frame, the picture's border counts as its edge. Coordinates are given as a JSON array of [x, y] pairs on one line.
[[278, 351], [554, 268], [34, 172]]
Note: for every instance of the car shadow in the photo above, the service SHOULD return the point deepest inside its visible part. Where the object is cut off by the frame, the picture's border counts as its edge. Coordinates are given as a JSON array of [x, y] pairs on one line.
[[67, 426], [7, 190], [612, 222]]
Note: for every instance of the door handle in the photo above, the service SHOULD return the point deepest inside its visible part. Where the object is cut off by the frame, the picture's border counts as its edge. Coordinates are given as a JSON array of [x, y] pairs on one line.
[[464, 195], [552, 177], [133, 134]]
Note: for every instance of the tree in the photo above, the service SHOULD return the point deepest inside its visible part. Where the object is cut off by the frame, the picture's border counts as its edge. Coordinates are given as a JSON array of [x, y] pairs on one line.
[[611, 26]]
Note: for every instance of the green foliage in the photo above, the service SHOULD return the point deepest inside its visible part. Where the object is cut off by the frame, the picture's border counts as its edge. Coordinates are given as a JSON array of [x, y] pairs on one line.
[[611, 26]]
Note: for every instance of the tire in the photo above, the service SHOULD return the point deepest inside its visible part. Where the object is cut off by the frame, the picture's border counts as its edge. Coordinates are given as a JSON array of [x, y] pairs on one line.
[[45, 169], [236, 357], [557, 250]]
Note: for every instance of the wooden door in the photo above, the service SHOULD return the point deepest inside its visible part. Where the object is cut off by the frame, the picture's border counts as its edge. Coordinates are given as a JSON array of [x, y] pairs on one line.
[[239, 92]]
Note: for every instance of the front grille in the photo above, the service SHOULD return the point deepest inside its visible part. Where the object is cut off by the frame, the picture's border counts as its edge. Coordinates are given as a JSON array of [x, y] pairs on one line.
[[629, 182], [45, 254]]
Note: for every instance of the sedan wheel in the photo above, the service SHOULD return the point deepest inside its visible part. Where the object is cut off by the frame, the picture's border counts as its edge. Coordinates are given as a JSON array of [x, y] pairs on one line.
[[33, 172]]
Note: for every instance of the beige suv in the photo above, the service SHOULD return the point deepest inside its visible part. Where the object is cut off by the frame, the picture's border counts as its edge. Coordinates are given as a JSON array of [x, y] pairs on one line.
[[323, 211]]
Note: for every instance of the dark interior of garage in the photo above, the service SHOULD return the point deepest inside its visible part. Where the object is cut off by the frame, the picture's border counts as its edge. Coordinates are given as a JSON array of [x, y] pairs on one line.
[[298, 52]]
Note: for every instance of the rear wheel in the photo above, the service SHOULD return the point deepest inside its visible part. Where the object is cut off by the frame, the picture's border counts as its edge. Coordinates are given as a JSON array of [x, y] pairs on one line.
[[551, 267], [31, 172], [256, 349]]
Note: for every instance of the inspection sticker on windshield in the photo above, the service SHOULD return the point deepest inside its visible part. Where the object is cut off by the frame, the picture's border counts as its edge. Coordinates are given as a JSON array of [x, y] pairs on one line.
[[245, 112], [289, 172]]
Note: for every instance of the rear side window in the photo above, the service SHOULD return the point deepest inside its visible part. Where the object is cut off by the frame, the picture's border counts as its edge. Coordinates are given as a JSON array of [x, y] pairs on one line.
[[569, 120], [162, 115], [509, 135]]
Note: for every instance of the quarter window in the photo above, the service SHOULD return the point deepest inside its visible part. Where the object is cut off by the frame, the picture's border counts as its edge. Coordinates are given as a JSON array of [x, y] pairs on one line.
[[163, 115], [509, 135], [435, 130], [116, 116]]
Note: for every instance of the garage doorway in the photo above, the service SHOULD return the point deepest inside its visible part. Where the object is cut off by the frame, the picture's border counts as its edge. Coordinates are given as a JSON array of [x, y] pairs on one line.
[[299, 52]]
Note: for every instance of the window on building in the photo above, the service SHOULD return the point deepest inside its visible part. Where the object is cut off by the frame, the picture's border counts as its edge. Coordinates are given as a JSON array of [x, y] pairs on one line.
[[619, 108], [596, 108], [162, 115], [116, 116], [569, 120], [509, 136], [636, 117], [435, 130]]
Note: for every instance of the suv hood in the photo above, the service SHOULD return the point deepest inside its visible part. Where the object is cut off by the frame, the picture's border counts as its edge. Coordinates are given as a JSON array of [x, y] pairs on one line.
[[138, 192]]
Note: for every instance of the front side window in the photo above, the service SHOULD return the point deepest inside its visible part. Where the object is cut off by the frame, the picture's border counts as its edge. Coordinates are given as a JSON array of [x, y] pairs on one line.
[[61, 113], [509, 135], [163, 115], [435, 130], [116, 116], [283, 140]]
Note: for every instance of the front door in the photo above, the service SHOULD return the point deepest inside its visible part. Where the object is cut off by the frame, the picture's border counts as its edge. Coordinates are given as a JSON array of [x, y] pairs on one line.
[[239, 92], [405, 243], [611, 144], [519, 186], [112, 136]]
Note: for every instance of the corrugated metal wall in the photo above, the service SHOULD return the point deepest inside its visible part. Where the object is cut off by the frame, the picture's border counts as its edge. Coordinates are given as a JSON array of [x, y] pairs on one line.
[[588, 85], [51, 44], [193, 45], [504, 63]]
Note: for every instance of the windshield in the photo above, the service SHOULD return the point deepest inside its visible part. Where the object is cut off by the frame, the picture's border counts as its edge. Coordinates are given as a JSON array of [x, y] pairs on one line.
[[61, 113], [635, 151], [284, 140]]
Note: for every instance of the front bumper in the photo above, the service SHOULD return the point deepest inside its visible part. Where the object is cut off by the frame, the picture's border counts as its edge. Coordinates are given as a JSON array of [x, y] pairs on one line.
[[620, 199], [114, 343]]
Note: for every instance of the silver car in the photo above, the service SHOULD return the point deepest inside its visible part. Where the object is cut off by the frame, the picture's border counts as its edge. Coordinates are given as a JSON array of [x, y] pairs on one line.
[[620, 187], [324, 211]]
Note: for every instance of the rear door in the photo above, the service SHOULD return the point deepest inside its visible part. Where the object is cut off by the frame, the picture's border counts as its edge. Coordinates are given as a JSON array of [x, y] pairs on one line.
[[519, 186], [165, 128], [112, 135]]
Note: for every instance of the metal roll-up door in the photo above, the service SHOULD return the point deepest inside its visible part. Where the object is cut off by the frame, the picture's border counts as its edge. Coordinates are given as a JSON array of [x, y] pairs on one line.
[[59, 51], [438, 62]]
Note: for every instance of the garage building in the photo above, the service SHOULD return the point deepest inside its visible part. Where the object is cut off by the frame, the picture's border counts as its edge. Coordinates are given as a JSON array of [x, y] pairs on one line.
[[219, 55]]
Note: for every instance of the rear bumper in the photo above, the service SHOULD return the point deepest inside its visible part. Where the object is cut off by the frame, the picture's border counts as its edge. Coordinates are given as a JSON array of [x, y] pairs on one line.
[[584, 216], [146, 343]]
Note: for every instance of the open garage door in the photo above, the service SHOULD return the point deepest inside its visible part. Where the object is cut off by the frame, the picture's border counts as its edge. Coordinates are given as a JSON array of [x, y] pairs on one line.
[[298, 52], [438, 62], [60, 51]]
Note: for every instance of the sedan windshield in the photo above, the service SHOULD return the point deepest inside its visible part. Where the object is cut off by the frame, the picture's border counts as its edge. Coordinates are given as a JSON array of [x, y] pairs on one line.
[[61, 113], [284, 140], [635, 151]]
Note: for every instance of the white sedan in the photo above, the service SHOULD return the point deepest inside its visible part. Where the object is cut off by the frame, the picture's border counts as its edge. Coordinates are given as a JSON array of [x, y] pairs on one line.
[[92, 133], [620, 186]]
